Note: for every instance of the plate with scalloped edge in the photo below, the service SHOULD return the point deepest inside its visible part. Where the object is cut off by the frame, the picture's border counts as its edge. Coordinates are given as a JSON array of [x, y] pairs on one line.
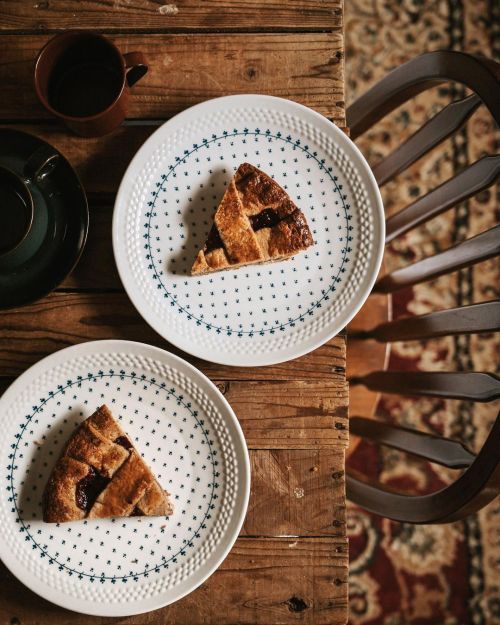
[[258, 314], [187, 433]]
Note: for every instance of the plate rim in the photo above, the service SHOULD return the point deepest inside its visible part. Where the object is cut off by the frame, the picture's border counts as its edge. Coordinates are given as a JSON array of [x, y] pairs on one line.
[[114, 610], [264, 358]]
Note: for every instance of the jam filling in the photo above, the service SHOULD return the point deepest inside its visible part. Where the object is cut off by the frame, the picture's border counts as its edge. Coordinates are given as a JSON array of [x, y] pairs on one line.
[[136, 512], [123, 441], [214, 242], [265, 219], [89, 488]]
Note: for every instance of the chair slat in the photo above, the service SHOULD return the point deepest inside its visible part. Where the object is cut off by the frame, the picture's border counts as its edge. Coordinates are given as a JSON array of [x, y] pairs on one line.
[[473, 319], [480, 482], [474, 386], [474, 250], [437, 129], [476, 487], [433, 68], [470, 181], [443, 451]]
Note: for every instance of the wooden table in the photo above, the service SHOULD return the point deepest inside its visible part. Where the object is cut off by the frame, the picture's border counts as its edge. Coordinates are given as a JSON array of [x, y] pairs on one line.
[[290, 563]]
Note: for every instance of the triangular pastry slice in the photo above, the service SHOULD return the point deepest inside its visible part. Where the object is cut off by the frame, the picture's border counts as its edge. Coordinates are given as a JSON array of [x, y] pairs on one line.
[[100, 474], [255, 222]]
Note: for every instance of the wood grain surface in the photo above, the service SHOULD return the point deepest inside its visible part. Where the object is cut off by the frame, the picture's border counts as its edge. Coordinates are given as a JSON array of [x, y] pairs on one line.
[[296, 492], [67, 318], [263, 581], [289, 564], [159, 15], [187, 69]]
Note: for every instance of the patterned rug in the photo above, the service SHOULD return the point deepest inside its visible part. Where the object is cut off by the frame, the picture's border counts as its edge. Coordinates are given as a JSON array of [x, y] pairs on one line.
[[428, 575]]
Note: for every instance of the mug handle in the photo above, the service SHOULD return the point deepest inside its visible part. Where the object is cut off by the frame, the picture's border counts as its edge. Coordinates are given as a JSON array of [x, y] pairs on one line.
[[41, 163], [136, 66]]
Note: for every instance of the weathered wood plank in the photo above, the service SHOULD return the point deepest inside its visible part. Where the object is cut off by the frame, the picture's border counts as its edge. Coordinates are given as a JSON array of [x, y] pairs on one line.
[[186, 69], [285, 415], [140, 15], [296, 493], [96, 268], [262, 581], [28, 334]]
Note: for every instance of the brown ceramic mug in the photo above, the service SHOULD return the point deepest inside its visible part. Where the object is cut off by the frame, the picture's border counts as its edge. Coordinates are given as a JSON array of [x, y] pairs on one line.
[[84, 79]]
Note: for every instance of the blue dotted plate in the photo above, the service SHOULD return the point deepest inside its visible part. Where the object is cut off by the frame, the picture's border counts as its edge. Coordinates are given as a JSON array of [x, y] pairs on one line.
[[257, 315], [187, 433]]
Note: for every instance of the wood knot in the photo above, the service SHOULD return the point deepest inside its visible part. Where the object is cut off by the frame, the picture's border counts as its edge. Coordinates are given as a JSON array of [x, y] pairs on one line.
[[336, 58], [337, 475], [339, 426], [222, 386], [296, 604], [251, 72]]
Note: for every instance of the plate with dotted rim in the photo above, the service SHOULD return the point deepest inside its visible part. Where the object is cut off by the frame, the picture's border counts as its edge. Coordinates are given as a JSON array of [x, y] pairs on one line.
[[187, 433], [258, 314]]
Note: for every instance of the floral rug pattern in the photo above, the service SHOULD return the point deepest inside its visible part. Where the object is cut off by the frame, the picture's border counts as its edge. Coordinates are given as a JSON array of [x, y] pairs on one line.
[[428, 575]]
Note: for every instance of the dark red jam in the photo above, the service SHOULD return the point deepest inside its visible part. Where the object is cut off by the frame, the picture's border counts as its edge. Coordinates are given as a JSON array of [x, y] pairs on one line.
[[214, 241], [265, 219], [136, 512], [123, 441], [88, 489]]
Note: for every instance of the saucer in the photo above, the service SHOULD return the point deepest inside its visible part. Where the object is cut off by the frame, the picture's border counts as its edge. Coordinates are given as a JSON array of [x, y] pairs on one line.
[[60, 198]]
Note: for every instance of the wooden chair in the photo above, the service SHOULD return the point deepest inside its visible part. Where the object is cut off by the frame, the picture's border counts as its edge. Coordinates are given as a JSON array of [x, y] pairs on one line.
[[480, 481]]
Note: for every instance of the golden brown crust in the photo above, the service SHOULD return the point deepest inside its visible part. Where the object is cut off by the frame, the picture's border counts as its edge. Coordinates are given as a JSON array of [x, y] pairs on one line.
[[241, 239], [103, 420], [258, 191], [100, 474], [210, 261], [129, 485], [154, 502], [89, 446], [290, 233], [59, 503], [235, 229]]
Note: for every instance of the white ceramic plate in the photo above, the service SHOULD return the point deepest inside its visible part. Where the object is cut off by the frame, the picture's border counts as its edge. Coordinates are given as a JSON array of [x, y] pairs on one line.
[[187, 433], [257, 315]]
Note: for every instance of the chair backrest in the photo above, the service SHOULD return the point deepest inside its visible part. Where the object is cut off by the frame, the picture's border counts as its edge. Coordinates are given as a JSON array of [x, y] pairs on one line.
[[480, 482]]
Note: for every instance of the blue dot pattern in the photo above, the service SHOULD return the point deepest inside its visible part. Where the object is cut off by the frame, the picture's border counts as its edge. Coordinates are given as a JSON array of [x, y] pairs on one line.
[[176, 441], [256, 300]]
